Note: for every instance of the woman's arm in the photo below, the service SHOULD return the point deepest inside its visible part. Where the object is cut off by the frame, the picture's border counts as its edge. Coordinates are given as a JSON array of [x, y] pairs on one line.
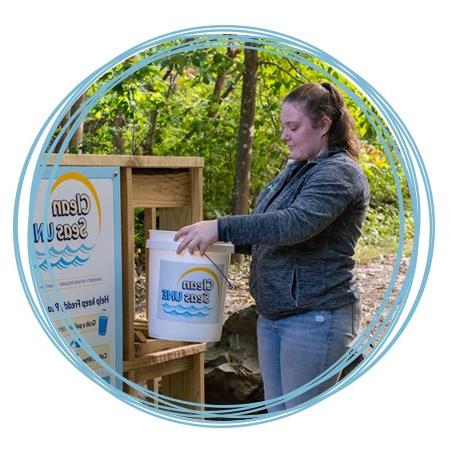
[[328, 191], [325, 195]]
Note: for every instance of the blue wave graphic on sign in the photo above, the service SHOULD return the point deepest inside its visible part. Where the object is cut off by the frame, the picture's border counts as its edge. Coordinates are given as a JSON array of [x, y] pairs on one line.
[[66, 251], [63, 264], [183, 311], [66, 257]]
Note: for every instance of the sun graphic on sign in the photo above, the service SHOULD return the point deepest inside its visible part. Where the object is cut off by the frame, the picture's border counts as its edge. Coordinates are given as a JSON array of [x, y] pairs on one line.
[[76, 176], [200, 269]]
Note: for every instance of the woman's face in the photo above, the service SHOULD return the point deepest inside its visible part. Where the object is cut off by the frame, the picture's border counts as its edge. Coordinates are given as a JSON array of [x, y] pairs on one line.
[[304, 141]]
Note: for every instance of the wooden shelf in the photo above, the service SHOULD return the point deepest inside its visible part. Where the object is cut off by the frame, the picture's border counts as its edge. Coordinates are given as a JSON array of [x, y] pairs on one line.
[[133, 161]]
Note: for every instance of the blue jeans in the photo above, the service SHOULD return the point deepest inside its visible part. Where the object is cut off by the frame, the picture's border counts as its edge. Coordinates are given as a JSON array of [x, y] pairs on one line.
[[296, 349]]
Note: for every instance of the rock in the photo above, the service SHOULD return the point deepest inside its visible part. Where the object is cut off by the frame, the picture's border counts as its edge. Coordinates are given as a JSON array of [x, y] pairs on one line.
[[214, 356], [243, 321], [251, 365], [351, 366], [232, 374], [358, 360]]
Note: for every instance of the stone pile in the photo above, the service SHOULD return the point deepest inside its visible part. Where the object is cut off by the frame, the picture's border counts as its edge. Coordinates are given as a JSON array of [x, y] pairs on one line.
[[232, 374]]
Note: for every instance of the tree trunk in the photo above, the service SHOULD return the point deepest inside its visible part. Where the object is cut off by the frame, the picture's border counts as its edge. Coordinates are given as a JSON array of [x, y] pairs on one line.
[[77, 138], [147, 146], [118, 143], [64, 120], [149, 141], [216, 97], [245, 141]]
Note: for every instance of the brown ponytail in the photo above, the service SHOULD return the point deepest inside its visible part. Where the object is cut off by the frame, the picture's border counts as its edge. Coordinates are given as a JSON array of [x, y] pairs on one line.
[[324, 99]]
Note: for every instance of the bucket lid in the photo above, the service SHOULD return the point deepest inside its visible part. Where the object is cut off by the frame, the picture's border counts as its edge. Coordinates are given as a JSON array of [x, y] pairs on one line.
[[164, 239]]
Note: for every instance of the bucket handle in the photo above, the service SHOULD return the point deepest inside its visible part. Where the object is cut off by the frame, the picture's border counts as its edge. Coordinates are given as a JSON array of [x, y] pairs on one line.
[[217, 267]]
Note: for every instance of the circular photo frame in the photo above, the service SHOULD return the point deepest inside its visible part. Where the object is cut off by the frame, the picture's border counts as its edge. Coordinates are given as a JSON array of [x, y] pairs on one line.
[[402, 154]]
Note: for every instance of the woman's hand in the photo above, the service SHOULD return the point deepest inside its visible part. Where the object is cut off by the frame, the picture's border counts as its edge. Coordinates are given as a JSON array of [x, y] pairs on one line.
[[197, 236]]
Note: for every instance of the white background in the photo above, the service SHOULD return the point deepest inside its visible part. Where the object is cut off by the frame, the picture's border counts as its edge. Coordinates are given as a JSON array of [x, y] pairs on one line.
[[399, 47]]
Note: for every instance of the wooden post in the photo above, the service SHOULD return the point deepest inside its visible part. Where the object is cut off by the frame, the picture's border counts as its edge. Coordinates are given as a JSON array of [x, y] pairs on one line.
[[188, 385], [153, 385], [172, 219], [174, 386], [195, 382], [149, 224], [196, 194], [128, 270]]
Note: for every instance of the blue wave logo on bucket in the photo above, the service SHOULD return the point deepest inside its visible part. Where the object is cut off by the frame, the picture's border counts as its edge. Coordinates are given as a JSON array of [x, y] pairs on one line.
[[189, 292]]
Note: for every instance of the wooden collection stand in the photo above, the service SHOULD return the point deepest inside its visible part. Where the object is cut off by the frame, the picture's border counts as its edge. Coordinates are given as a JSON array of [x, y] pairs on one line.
[[174, 185]]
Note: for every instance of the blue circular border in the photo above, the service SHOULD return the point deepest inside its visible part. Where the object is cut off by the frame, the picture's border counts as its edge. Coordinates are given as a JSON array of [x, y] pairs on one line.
[[214, 36]]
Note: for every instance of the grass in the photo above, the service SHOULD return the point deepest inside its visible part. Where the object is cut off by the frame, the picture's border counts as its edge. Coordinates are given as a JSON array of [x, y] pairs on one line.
[[367, 253]]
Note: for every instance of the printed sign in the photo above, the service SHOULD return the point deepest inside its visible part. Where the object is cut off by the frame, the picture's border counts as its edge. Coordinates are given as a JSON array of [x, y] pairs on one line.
[[189, 291], [78, 260]]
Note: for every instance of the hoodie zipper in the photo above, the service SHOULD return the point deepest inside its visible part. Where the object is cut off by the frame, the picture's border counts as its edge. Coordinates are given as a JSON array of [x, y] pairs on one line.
[[283, 184]]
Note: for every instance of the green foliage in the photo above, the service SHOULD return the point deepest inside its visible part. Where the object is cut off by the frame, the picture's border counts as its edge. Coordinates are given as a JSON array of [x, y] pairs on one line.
[[382, 225], [195, 97]]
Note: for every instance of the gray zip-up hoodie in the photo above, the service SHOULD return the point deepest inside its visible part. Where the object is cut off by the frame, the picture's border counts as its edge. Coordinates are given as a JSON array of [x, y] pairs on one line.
[[303, 234]]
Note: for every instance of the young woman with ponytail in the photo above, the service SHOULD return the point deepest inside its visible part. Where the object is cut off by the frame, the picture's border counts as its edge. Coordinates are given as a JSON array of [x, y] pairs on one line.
[[302, 237]]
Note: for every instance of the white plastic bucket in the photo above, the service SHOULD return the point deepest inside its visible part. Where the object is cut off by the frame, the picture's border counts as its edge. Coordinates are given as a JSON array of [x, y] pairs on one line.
[[186, 292]]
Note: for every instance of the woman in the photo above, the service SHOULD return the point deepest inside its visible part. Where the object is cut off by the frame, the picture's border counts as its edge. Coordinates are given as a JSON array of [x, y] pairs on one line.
[[302, 234]]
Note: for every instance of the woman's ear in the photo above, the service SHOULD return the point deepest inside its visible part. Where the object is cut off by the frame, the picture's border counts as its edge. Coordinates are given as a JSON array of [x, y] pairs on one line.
[[325, 124]]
